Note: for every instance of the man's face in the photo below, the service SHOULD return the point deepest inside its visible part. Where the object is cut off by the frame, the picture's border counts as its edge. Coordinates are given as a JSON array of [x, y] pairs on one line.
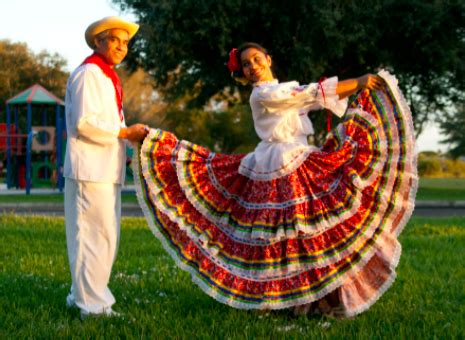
[[114, 46]]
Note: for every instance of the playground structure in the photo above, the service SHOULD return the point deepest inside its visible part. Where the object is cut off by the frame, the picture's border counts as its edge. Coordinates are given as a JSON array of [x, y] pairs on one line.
[[33, 143]]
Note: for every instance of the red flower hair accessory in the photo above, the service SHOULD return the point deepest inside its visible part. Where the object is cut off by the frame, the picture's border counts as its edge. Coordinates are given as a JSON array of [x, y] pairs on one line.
[[233, 62], [235, 68]]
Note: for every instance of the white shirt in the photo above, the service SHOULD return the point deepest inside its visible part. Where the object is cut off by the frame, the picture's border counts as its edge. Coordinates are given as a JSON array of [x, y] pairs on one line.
[[93, 152], [280, 118]]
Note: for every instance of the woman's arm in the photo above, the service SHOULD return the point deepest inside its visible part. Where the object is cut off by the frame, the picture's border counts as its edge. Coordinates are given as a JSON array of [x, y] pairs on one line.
[[348, 87]]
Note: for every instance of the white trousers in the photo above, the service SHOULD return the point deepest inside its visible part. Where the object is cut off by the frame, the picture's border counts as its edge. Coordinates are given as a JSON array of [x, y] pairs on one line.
[[92, 216]]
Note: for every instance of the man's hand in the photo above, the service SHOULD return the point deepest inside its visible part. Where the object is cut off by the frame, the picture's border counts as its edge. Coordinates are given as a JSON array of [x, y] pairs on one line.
[[134, 133]]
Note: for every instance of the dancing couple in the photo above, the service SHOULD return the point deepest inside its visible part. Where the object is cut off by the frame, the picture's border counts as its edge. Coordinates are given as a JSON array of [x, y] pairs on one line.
[[288, 225]]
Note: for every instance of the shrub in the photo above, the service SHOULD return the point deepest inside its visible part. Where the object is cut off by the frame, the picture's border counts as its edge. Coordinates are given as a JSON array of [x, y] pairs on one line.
[[434, 165], [429, 167]]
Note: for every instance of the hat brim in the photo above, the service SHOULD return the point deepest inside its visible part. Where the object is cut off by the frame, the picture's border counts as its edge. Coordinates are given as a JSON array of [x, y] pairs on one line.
[[109, 23]]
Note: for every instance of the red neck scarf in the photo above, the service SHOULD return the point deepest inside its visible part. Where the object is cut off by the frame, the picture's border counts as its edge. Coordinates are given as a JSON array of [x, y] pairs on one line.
[[98, 60]]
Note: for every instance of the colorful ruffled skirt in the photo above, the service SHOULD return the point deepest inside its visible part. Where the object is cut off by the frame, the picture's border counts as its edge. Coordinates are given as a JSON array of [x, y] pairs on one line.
[[331, 225]]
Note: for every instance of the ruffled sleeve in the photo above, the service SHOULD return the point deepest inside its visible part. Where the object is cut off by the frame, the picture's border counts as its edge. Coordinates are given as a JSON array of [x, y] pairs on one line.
[[331, 100], [278, 98]]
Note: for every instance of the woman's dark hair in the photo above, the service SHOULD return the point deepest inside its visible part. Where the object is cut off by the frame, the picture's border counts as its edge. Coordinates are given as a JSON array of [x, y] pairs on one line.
[[246, 46]]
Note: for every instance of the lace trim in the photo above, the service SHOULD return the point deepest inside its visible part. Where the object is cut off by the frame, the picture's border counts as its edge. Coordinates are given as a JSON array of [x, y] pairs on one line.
[[350, 312], [282, 171], [412, 175]]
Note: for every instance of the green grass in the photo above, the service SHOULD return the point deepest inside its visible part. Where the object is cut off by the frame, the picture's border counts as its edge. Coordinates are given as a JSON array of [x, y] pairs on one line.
[[446, 183], [448, 189], [160, 301]]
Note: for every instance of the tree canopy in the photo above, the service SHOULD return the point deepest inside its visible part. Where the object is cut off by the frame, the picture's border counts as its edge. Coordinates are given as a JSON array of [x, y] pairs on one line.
[[141, 102], [20, 68], [452, 125], [184, 44]]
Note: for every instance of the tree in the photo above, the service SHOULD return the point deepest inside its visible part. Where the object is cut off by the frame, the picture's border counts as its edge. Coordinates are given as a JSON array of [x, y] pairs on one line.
[[142, 102], [211, 126], [452, 125], [184, 44], [20, 68]]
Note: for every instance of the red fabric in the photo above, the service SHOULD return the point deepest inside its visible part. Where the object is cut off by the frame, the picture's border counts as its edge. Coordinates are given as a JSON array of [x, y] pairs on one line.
[[98, 60]]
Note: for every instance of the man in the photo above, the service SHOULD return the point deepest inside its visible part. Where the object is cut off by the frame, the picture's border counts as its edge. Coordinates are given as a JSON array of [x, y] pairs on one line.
[[95, 165]]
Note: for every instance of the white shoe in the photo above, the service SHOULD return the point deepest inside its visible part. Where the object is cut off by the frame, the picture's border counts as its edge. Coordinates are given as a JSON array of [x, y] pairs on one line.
[[107, 313], [70, 301]]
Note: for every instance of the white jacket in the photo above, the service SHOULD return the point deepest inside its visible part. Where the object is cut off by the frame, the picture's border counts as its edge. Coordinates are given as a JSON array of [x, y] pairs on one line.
[[93, 152]]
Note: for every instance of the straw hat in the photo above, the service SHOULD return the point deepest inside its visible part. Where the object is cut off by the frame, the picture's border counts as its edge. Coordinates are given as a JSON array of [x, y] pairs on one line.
[[109, 23]]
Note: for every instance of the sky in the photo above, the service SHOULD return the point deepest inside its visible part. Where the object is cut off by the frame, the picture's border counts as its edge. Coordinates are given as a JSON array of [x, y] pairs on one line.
[[59, 26], [54, 25]]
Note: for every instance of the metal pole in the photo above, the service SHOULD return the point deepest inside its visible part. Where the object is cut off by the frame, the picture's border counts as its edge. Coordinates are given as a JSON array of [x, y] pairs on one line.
[[9, 175], [28, 151], [17, 127], [43, 139], [44, 116], [28, 162]]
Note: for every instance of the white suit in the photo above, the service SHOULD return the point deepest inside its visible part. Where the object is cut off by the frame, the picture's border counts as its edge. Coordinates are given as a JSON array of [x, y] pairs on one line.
[[94, 170]]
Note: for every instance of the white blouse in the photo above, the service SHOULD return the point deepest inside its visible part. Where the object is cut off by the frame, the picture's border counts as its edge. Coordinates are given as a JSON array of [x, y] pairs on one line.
[[280, 118]]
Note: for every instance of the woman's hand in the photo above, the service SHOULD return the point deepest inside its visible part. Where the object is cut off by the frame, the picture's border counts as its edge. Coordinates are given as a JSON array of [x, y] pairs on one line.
[[370, 81], [348, 87]]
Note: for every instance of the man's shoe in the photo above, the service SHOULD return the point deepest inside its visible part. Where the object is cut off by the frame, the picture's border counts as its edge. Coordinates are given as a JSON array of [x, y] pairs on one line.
[[70, 302], [107, 313], [112, 314]]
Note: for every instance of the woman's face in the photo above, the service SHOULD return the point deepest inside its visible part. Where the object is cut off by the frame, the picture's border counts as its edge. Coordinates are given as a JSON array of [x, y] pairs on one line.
[[256, 65]]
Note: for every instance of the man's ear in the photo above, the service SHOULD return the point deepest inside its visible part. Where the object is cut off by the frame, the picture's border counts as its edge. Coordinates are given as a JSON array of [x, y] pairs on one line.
[[96, 42]]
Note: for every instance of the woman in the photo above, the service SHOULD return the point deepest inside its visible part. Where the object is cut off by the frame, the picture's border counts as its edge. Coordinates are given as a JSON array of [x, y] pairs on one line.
[[289, 225]]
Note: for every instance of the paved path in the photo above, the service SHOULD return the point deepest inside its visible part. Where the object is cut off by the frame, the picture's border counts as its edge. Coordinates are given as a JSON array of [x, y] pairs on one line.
[[56, 209], [439, 208], [422, 208], [47, 191]]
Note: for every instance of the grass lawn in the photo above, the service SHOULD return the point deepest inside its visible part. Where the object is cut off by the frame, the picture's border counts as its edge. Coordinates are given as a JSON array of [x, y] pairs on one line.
[[160, 301], [448, 189]]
